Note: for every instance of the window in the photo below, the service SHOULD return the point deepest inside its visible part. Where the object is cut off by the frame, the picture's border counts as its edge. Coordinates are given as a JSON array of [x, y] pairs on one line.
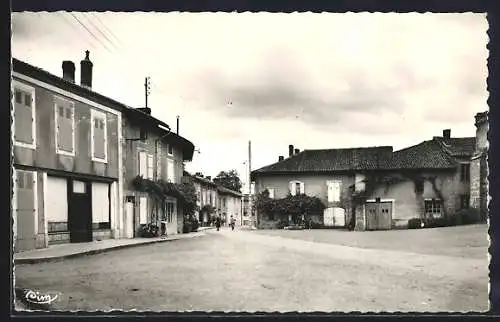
[[98, 136], [170, 209], [170, 149], [334, 188], [271, 192], [64, 116], [465, 172], [464, 201], [433, 208], [170, 170], [150, 167], [24, 116], [296, 188]]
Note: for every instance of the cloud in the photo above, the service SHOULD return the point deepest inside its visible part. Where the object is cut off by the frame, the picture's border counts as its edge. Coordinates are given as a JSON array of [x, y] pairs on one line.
[[315, 80]]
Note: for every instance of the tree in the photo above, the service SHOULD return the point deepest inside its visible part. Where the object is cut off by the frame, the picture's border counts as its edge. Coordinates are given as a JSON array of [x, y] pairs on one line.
[[229, 179]]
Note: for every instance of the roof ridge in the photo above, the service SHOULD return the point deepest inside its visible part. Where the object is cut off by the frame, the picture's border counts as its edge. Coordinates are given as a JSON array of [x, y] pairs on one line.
[[354, 148]]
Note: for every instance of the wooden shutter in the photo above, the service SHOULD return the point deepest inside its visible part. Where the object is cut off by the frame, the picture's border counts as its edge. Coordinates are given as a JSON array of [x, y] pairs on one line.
[[143, 210], [291, 187], [150, 166], [271, 192], [170, 170], [302, 188], [23, 116], [143, 169]]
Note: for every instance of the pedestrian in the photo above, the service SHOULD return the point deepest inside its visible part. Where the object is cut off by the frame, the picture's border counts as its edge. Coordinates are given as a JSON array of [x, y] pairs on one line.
[[232, 222], [217, 223]]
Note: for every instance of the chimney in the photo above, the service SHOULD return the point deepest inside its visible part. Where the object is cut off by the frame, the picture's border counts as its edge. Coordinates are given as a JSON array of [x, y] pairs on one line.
[[86, 71], [146, 110], [178, 124], [209, 178], [290, 150], [281, 158], [68, 70], [446, 134], [297, 151]]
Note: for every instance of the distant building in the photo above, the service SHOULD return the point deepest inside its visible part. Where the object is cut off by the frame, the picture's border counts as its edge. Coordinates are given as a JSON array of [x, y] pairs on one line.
[[215, 200]]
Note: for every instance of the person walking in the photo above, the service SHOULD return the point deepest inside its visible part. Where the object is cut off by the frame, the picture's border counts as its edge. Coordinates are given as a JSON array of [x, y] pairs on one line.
[[232, 222], [217, 223]]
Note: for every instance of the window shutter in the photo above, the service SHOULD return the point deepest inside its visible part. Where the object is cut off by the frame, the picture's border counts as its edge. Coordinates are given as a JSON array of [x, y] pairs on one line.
[[150, 166], [142, 164], [302, 188], [271, 192]]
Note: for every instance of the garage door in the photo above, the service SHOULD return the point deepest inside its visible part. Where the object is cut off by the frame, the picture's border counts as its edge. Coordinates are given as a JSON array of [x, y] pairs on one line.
[[56, 209], [100, 205]]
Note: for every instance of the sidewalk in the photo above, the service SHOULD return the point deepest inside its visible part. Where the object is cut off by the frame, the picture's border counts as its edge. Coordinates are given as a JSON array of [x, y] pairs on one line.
[[64, 251]]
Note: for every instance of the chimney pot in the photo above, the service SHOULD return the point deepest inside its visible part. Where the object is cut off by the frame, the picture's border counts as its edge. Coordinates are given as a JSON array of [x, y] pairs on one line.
[[146, 110], [281, 158], [290, 150], [297, 151], [446, 134], [68, 68], [86, 71]]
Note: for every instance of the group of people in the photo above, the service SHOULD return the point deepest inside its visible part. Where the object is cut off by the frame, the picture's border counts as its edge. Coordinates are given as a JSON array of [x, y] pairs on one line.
[[218, 222]]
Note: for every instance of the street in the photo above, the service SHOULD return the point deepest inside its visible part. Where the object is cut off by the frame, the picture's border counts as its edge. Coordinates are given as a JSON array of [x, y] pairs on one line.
[[254, 271]]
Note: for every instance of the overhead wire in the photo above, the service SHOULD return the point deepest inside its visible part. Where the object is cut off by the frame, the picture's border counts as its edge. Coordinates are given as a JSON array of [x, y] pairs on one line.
[[90, 32]]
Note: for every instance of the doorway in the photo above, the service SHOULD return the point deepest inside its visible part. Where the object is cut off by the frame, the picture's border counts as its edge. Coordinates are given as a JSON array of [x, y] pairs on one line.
[[378, 215], [79, 211], [129, 217]]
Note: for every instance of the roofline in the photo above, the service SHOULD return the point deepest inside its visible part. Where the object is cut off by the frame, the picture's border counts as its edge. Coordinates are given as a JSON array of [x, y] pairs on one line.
[[133, 114]]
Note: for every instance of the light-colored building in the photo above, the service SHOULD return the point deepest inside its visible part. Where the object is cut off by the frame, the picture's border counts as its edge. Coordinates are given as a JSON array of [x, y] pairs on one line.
[[373, 187]]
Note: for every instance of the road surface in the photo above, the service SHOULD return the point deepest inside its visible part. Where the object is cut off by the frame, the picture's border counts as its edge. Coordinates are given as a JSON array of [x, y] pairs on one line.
[[249, 271]]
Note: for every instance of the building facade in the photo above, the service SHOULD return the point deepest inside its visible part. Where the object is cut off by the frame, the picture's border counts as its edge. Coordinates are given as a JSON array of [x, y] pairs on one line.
[[479, 167], [155, 153], [66, 158], [230, 205]]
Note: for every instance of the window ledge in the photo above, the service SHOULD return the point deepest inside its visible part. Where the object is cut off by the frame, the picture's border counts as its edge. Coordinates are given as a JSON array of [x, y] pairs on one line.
[[25, 145], [99, 160]]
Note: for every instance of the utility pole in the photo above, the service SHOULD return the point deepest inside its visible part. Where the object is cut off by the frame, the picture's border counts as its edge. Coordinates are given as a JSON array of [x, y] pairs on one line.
[[147, 88], [250, 181]]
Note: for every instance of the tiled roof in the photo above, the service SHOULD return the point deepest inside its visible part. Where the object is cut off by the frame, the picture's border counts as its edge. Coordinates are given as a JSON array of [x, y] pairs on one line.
[[426, 155], [437, 153], [458, 147], [330, 160]]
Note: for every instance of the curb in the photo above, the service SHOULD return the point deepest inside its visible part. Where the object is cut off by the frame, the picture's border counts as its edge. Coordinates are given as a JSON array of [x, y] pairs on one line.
[[92, 252]]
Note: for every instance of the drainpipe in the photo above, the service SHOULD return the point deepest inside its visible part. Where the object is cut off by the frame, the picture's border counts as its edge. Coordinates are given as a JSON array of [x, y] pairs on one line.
[[156, 169]]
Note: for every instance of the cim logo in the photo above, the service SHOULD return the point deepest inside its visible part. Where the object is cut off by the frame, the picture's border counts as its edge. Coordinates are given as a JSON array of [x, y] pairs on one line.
[[37, 297]]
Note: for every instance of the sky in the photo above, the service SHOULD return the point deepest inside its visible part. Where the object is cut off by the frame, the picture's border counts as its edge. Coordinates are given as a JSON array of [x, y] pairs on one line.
[[316, 81]]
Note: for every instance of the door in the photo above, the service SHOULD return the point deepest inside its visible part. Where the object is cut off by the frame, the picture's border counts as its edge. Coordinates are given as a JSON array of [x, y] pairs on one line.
[[80, 211], [371, 215], [378, 215], [129, 219], [25, 210], [385, 215]]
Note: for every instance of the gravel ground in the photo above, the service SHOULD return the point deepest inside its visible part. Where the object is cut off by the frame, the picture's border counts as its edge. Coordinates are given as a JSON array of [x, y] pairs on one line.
[[249, 271], [469, 241]]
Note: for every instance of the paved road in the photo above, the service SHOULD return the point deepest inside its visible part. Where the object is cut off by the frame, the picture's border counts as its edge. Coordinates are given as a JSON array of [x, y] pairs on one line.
[[245, 271]]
